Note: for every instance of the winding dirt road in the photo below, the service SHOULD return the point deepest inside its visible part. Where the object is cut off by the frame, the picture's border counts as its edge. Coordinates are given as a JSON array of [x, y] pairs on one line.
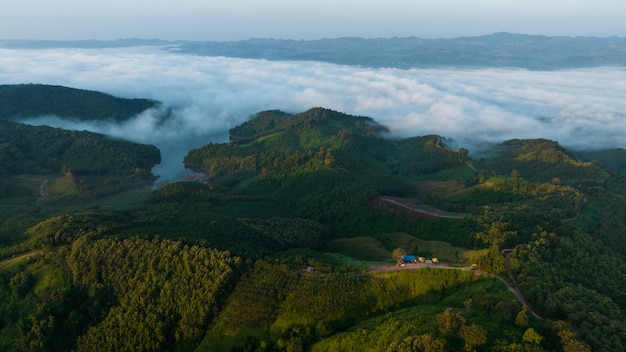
[[416, 266]]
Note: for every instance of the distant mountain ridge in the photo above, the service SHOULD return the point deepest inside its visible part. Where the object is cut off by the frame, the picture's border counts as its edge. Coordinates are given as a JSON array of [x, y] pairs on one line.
[[534, 52]]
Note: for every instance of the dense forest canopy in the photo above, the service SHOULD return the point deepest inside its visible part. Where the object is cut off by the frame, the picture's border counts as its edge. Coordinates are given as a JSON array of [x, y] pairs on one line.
[[294, 242], [41, 166], [33, 100]]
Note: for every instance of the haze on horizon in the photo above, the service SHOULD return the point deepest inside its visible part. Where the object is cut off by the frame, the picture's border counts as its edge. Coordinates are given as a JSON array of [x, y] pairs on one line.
[[205, 96], [238, 20]]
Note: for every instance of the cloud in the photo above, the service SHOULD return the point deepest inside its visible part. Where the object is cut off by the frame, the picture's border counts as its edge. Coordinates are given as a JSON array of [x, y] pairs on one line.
[[205, 96]]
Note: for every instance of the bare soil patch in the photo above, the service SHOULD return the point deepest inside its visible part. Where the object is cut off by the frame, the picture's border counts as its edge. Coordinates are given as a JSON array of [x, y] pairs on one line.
[[407, 207]]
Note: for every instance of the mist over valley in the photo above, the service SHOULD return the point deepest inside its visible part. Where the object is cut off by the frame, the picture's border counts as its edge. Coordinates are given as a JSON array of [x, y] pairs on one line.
[[338, 195], [202, 97]]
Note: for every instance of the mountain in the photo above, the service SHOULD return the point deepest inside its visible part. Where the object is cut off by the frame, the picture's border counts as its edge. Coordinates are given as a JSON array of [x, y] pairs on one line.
[[34, 100], [294, 241], [534, 52], [86, 44]]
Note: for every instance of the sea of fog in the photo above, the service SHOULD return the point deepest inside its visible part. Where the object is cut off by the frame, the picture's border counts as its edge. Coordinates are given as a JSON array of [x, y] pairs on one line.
[[205, 96]]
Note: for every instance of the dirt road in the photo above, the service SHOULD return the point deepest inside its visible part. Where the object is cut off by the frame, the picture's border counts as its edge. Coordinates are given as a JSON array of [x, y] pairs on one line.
[[21, 256], [415, 266], [407, 207]]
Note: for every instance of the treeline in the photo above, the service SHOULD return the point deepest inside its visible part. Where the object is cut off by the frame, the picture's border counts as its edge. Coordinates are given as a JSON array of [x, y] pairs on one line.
[[42, 150], [34, 100]]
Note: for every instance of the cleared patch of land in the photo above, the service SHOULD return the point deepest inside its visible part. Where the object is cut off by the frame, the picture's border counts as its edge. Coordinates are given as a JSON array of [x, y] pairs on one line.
[[370, 249], [413, 208]]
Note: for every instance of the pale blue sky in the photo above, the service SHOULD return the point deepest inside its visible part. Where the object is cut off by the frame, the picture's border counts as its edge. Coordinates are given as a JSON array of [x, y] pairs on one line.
[[305, 19]]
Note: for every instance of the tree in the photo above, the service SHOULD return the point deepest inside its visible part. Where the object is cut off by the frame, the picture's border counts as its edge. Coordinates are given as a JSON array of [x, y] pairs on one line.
[[473, 335], [450, 321], [532, 337], [521, 319], [421, 343], [398, 253], [568, 338], [496, 234]]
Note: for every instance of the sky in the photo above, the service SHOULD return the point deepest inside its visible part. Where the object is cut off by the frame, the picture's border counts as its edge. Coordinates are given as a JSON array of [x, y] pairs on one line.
[[201, 20], [579, 108]]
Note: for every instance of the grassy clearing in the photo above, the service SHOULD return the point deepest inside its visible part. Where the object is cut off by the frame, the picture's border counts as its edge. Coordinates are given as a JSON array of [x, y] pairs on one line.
[[127, 200], [363, 248], [457, 173], [442, 250], [449, 189], [372, 249], [440, 188]]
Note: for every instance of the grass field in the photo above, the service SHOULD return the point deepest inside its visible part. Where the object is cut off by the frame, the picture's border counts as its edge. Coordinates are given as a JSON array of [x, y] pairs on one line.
[[449, 189], [372, 249], [444, 251], [363, 248], [457, 173]]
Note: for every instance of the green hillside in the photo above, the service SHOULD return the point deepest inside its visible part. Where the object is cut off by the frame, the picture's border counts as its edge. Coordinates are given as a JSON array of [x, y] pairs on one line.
[[293, 241], [33, 100], [43, 168], [545, 161], [613, 160]]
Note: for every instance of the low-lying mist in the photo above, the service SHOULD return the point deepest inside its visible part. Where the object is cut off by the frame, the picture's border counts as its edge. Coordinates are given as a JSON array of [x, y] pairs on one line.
[[202, 97]]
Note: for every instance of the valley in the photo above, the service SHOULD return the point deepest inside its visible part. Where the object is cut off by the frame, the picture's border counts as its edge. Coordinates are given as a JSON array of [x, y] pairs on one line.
[[290, 242]]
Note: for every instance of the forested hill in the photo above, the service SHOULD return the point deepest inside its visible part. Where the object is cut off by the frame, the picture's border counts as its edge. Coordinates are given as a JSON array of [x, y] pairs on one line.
[[292, 242], [43, 150], [44, 168], [276, 144], [324, 121], [546, 161], [33, 100]]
